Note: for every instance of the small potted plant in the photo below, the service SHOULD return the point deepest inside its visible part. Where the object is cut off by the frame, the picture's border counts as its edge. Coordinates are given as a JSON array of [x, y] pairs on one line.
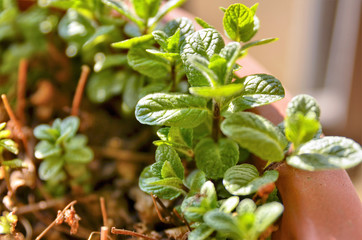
[[224, 169]]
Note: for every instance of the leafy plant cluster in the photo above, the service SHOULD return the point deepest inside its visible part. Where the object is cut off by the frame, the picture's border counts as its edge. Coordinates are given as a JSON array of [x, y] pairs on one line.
[[64, 153], [208, 124]]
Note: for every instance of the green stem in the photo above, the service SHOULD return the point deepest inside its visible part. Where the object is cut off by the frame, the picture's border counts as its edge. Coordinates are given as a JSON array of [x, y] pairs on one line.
[[173, 77], [215, 120]]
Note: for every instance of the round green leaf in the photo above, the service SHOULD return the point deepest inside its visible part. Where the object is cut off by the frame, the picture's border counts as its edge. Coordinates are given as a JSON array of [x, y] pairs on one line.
[[49, 168], [304, 104]]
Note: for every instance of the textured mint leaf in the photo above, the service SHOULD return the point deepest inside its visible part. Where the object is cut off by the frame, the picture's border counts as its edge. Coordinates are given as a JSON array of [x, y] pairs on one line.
[[179, 110], [223, 223], [148, 64], [204, 43], [145, 182], [217, 92], [194, 181], [146, 8], [259, 42], [104, 85], [246, 206], [266, 214], [259, 90], [209, 195], [167, 153], [239, 22], [44, 149], [132, 42], [167, 170], [49, 168], [229, 204], [183, 136], [203, 23], [173, 42], [327, 153], [215, 158], [304, 104], [161, 38], [218, 66], [122, 8], [231, 53], [244, 179], [170, 182], [103, 62], [165, 55], [162, 133], [164, 9], [254, 133], [301, 128], [78, 141], [202, 66], [201, 232], [9, 145]]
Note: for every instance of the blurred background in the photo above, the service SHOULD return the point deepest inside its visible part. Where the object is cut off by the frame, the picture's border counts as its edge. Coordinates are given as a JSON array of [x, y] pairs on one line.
[[319, 52]]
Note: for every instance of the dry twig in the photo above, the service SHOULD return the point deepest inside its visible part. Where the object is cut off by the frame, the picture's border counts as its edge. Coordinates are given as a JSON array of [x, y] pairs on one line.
[[79, 91], [130, 233], [21, 102]]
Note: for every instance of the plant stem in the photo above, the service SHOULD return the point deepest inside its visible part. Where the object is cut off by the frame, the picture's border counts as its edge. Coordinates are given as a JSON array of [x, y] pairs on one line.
[[215, 120], [173, 77], [79, 91], [104, 212], [130, 233], [104, 233], [21, 102], [56, 220]]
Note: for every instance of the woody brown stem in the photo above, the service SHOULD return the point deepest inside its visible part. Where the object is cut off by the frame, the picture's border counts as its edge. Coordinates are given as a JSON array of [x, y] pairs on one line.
[[80, 89], [21, 102], [104, 211], [130, 233]]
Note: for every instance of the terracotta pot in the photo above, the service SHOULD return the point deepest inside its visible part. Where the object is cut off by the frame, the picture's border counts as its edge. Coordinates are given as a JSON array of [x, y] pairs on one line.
[[318, 205]]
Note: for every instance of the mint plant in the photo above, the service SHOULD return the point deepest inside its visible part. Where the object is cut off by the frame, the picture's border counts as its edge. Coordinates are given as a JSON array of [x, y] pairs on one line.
[[64, 154], [8, 223], [208, 125]]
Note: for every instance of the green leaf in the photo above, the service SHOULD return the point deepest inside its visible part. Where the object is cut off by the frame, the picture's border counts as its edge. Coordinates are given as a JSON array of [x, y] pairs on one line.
[[244, 179], [14, 163], [204, 43], [79, 155], [301, 128], [132, 42], [259, 42], [256, 134], [131, 92], [179, 110], [2, 125], [327, 153], [246, 206], [45, 149], [164, 9], [167, 170], [148, 64], [304, 104], [146, 8], [49, 168], [173, 42], [259, 90], [223, 223], [165, 55], [201, 232], [239, 22], [5, 133], [78, 141], [71, 124], [161, 38], [202, 66], [217, 92], [171, 182], [229, 204], [182, 136], [194, 181], [104, 85], [167, 153], [99, 36], [145, 182], [45, 132], [266, 214], [184, 25], [203, 23], [122, 8], [103, 62], [215, 158], [231, 53], [9, 145]]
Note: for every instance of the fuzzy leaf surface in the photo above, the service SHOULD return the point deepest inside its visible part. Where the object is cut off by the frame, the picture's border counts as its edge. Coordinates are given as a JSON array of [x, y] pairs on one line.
[[244, 179], [167, 153], [254, 133], [129, 43], [259, 90], [217, 92], [203, 43], [259, 42], [179, 110], [266, 214], [215, 158], [305, 104], [202, 232], [327, 153]]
